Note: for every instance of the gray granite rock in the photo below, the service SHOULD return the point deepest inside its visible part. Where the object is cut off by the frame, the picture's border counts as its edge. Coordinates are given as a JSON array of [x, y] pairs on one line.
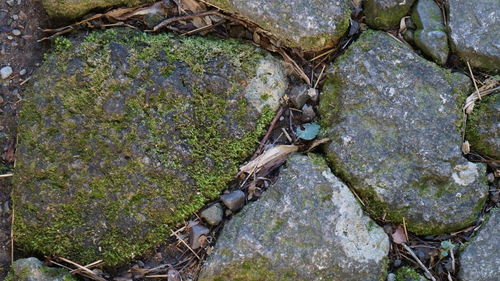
[[394, 120], [474, 28], [483, 126], [430, 35], [480, 261], [124, 134], [385, 14], [306, 24], [307, 226], [213, 215], [32, 269]]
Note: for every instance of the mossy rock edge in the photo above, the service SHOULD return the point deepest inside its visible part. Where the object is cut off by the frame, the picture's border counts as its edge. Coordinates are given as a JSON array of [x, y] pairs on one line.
[[123, 135]]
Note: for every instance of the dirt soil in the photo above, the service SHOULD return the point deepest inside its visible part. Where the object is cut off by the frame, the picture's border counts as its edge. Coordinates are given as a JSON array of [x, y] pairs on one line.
[[20, 22]]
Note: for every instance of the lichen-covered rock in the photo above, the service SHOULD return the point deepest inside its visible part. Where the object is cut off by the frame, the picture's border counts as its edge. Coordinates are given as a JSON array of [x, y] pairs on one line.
[[73, 9], [307, 226], [430, 35], [480, 260], [124, 134], [305, 24], [394, 120], [31, 269], [385, 14], [474, 28], [483, 126]]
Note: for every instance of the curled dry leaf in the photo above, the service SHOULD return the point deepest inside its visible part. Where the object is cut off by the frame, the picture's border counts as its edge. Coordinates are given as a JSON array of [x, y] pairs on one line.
[[270, 158], [399, 236]]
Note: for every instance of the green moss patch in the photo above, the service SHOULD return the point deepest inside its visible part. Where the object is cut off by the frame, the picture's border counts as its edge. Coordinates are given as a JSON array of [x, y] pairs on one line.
[[123, 135]]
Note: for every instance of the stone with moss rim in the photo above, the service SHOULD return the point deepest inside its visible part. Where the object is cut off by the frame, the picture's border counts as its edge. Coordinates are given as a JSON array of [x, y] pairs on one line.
[[123, 134], [307, 226], [310, 25], [395, 121], [71, 9], [483, 126], [385, 14]]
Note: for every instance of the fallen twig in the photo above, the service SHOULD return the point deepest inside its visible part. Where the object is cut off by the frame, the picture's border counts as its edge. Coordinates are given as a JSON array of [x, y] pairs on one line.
[[422, 266]]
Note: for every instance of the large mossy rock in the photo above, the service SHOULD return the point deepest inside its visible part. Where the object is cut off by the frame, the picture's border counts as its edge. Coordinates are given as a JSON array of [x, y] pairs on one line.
[[394, 120], [480, 260], [124, 134], [307, 226], [474, 28], [32, 269], [385, 14], [310, 25], [73, 9], [483, 127]]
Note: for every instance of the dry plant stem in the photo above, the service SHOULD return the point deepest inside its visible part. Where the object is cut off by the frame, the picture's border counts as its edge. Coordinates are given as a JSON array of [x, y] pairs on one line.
[[424, 268], [12, 236], [319, 77], [404, 227], [474, 81], [185, 244], [84, 269], [268, 133], [6, 175], [186, 17], [296, 67], [90, 265]]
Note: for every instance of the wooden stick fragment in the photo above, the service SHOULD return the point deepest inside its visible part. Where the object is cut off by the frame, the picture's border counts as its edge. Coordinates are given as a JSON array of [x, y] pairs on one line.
[[424, 268], [474, 81]]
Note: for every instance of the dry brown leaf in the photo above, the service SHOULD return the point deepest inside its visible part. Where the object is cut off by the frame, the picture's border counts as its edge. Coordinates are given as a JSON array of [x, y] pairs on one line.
[[399, 236], [271, 157]]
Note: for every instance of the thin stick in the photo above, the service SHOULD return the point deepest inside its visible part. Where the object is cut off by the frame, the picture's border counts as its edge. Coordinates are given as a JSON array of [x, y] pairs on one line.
[[185, 244], [452, 260], [287, 135], [319, 77], [409, 250], [12, 236], [90, 265], [186, 17], [404, 227], [6, 175], [86, 270], [268, 133], [474, 80]]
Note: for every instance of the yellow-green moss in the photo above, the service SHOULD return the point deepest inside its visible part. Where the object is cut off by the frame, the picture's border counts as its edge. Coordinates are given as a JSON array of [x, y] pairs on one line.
[[61, 153], [407, 273]]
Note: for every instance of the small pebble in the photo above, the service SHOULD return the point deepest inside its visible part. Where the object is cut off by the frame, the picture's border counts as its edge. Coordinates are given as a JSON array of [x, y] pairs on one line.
[[5, 72], [213, 214], [391, 277], [308, 112], [313, 94], [23, 72], [195, 234], [234, 200], [10, 37], [15, 17], [16, 32]]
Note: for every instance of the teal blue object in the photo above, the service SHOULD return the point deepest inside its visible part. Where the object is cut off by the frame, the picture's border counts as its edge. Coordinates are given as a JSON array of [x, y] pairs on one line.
[[310, 131]]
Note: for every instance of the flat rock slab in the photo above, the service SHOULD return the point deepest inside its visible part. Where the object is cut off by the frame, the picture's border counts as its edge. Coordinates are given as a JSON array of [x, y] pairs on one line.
[[483, 126], [394, 119], [480, 261], [385, 14], [474, 28], [74, 9], [307, 226], [124, 134], [306, 24]]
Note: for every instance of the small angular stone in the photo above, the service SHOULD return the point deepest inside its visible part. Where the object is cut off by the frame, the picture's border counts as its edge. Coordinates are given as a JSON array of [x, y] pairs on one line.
[[213, 214], [385, 14], [299, 95], [5, 72], [430, 35], [196, 232], [234, 201]]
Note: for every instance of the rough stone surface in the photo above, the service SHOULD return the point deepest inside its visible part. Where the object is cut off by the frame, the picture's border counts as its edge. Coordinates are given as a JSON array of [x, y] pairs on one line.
[[307, 226], [123, 134], [385, 14], [32, 269], [305, 24], [213, 215], [480, 260], [5, 72], [430, 35], [73, 9], [474, 27], [483, 126], [394, 119], [234, 200]]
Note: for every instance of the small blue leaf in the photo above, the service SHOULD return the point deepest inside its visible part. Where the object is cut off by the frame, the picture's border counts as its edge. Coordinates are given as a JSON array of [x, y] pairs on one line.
[[310, 131]]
